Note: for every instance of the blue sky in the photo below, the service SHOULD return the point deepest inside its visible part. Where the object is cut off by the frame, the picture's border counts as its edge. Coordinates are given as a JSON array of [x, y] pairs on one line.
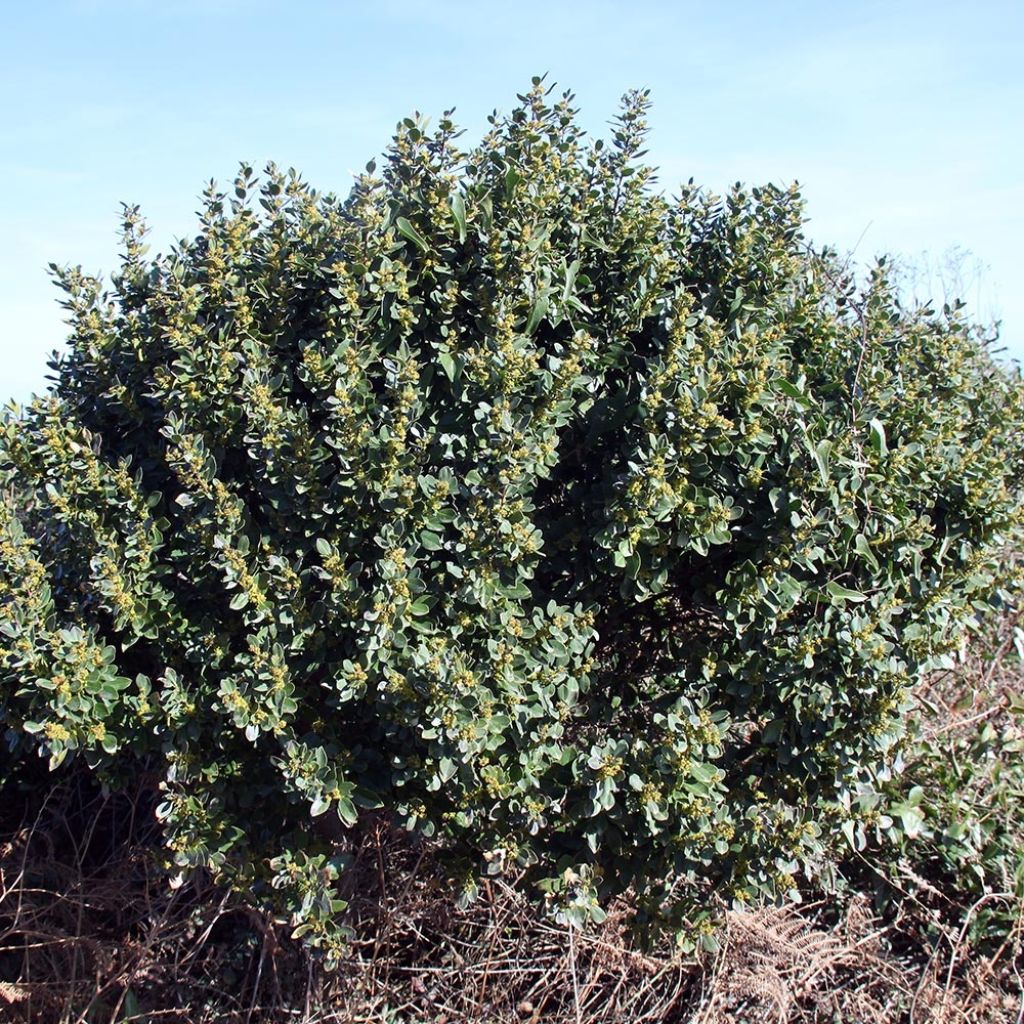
[[902, 120]]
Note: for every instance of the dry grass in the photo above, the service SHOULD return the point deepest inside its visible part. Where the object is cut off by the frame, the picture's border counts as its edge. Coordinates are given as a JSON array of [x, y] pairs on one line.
[[85, 938]]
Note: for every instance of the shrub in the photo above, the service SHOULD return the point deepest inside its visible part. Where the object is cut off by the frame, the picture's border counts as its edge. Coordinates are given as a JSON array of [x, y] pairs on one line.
[[597, 534]]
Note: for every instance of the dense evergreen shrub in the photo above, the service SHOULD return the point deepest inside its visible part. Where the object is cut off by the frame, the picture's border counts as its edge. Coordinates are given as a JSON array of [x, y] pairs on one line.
[[595, 533]]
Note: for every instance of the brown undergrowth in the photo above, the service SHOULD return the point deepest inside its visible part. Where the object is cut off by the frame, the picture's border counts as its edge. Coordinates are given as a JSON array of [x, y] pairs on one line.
[[107, 942], [90, 933]]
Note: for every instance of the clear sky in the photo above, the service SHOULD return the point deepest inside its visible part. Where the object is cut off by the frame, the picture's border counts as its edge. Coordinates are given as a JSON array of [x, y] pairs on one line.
[[904, 121]]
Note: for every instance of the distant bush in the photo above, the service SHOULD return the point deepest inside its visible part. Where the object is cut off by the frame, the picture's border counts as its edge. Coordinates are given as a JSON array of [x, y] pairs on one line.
[[595, 533]]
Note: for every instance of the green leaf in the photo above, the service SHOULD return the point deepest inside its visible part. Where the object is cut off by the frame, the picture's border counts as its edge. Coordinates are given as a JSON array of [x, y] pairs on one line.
[[512, 178], [570, 280], [877, 437], [821, 453], [594, 243], [430, 540], [539, 311], [486, 207], [840, 593], [790, 389], [863, 548], [448, 364], [914, 797], [347, 811], [705, 773], [850, 831], [913, 821], [408, 231], [458, 205]]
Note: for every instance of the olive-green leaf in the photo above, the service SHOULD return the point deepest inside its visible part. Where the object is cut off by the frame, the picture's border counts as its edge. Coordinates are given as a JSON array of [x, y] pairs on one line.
[[838, 592], [458, 205], [538, 311], [408, 231], [877, 436], [430, 540]]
